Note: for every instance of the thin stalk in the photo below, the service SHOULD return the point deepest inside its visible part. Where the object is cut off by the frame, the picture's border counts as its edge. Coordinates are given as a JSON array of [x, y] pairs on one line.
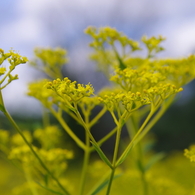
[[162, 110], [105, 138], [141, 169], [29, 180], [5, 76], [132, 126], [85, 126], [68, 111], [90, 135], [132, 143], [116, 149], [6, 113], [110, 181], [67, 129], [98, 116], [86, 157], [98, 184], [85, 165]]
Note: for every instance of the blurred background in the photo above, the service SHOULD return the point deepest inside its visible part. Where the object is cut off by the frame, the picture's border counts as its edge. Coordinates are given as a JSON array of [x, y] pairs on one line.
[[25, 25]]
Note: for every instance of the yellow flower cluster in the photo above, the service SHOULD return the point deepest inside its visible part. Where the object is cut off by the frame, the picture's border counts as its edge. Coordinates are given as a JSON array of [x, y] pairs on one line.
[[87, 104], [190, 153], [152, 45], [50, 61], [41, 93], [163, 91], [104, 42], [50, 149], [136, 79], [110, 35], [23, 154], [70, 91], [14, 59], [48, 137], [54, 158], [4, 140], [16, 139], [141, 80], [113, 99]]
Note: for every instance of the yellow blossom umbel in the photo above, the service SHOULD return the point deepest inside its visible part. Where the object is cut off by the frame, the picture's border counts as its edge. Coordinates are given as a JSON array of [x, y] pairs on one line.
[[69, 91], [14, 60], [50, 61], [190, 153]]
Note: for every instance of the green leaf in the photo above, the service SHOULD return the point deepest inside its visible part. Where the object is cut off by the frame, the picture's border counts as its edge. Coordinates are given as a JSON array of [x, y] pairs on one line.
[[2, 108], [48, 189], [102, 155], [101, 185], [154, 159], [140, 166], [122, 66], [123, 156]]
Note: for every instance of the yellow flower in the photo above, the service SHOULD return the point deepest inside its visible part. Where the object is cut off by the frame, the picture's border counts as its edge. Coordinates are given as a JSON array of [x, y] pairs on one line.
[[190, 153], [70, 91]]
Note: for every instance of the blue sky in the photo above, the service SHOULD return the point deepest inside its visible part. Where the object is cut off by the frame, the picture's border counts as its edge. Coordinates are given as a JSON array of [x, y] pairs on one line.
[[27, 24]]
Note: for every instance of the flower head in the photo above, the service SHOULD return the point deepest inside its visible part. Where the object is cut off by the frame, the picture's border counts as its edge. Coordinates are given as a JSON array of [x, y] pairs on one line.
[[71, 91], [190, 153], [50, 61], [14, 60]]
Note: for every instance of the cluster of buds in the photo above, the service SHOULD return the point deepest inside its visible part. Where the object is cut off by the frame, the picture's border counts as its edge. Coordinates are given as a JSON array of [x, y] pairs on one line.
[[111, 47], [41, 93], [153, 45], [50, 61], [110, 35], [136, 79], [55, 158], [87, 104], [114, 99], [111, 99], [177, 71], [190, 153], [14, 59], [49, 149], [48, 137], [70, 91], [163, 91], [134, 100]]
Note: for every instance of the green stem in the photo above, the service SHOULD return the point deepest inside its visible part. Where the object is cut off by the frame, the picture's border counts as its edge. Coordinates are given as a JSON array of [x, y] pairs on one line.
[[99, 183], [86, 127], [133, 143], [112, 132], [3, 79], [116, 149], [29, 180], [85, 165], [162, 110], [6, 113], [67, 129], [105, 138], [132, 126], [145, 184], [140, 162], [110, 181], [98, 116], [86, 157]]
